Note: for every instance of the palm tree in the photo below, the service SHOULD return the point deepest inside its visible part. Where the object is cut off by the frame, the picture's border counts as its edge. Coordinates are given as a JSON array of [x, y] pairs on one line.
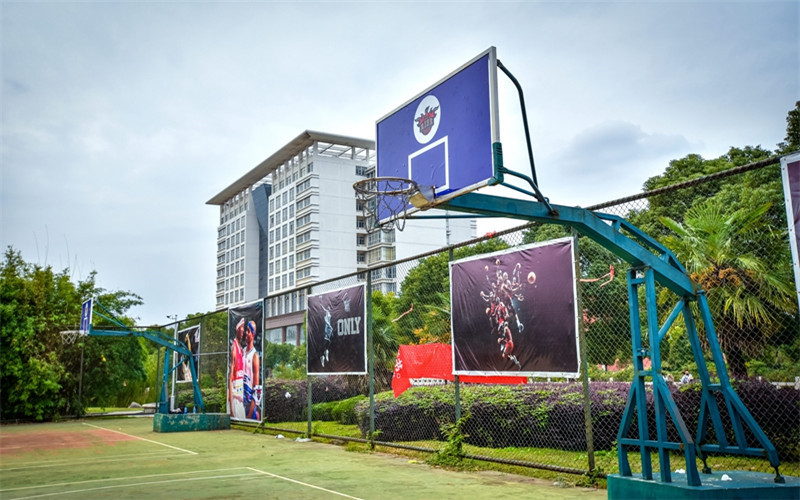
[[746, 294]]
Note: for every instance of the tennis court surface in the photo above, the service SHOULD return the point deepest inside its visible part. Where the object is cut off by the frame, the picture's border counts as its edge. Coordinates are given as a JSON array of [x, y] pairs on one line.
[[123, 458]]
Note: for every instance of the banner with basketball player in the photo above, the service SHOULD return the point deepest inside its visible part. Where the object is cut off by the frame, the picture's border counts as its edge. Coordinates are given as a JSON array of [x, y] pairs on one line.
[[190, 337], [515, 312], [245, 345], [336, 332]]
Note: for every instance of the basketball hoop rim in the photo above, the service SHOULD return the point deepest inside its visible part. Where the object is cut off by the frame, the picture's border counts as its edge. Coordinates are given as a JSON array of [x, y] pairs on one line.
[[69, 336], [369, 186]]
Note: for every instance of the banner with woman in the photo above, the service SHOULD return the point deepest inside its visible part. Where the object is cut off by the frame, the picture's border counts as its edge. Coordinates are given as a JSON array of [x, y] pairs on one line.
[[245, 347]]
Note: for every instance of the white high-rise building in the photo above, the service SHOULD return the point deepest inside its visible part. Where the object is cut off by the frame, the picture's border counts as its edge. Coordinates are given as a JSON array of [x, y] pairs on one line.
[[294, 220]]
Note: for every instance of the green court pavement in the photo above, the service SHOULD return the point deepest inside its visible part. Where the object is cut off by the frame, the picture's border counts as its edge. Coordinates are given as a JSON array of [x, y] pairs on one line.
[[123, 458]]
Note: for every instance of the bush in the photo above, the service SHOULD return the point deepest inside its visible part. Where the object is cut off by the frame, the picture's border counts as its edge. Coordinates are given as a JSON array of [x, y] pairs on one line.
[[338, 411], [213, 399], [551, 415], [287, 400]]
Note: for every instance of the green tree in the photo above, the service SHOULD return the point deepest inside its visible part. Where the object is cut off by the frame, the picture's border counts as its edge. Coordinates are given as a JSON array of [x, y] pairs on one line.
[[792, 141], [604, 302], [385, 337], [213, 339], [39, 376], [675, 203], [426, 288], [748, 295]]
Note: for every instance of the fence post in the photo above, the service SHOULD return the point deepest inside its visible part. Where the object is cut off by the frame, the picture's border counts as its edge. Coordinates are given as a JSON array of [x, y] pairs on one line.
[[310, 403], [309, 378], [456, 381], [587, 400], [370, 362]]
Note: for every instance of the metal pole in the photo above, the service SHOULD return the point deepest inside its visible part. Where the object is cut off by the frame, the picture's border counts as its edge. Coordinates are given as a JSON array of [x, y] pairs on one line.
[[371, 362], [456, 380], [80, 379], [587, 400], [310, 403], [524, 119]]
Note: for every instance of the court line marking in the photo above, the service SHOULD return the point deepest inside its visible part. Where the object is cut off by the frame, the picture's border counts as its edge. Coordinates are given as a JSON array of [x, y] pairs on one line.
[[304, 484], [86, 481], [136, 485], [113, 458], [141, 438]]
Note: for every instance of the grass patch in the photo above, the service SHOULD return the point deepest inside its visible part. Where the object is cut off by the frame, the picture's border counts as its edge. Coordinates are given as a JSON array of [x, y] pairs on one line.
[[92, 410]]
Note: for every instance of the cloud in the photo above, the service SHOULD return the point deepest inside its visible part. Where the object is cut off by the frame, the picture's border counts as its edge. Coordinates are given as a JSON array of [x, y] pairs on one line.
[[611, 148]]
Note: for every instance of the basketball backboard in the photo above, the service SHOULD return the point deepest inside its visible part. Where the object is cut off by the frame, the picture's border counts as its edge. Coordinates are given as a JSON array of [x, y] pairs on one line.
[[445, 138], [86, 317]]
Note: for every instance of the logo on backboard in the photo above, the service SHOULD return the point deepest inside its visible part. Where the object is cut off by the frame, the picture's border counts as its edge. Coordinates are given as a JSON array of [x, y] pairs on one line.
[[427, 119]]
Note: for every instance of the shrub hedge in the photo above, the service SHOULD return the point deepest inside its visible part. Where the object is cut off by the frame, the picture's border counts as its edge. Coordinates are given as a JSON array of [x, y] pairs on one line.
[[287, 400], [551, 415]]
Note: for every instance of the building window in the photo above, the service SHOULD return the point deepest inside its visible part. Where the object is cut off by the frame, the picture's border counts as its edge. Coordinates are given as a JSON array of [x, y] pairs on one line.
[[304, 220], [303, 237], [360, 223], [361, 257], [301, 204], [303, 273], [304, 186], [291, 334], [361, 240], [274, 335], [361, 170]]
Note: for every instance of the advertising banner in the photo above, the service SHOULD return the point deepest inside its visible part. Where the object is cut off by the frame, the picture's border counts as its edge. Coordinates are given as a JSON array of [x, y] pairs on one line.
[[190, 337], [337, 336], [245, 327], [515, 312], [435, 361], [790, 172]]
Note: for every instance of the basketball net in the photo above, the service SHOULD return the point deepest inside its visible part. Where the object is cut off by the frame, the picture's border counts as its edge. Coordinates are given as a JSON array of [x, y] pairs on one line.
[[69, 336], [386, 197]]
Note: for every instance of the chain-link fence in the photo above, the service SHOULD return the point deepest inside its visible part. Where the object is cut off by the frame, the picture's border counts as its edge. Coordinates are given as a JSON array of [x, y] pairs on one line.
[[728, 229]]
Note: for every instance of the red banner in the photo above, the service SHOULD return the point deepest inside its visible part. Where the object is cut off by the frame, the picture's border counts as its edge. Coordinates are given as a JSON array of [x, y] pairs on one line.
[[435, 361]]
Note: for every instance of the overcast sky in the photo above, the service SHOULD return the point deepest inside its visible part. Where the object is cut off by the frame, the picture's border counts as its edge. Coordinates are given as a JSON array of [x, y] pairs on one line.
[[121, 119]]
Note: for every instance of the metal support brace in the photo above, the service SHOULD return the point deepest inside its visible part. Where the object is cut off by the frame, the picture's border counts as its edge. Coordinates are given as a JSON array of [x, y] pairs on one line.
[[172, 346], [651, 263]]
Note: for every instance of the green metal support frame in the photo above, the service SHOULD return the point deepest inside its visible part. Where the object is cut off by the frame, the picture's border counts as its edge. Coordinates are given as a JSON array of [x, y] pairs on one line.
[[651, 263], [171, 344]]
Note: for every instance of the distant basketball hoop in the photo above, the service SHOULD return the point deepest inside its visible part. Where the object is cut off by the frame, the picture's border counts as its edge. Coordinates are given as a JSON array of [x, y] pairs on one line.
[[392, 197]]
